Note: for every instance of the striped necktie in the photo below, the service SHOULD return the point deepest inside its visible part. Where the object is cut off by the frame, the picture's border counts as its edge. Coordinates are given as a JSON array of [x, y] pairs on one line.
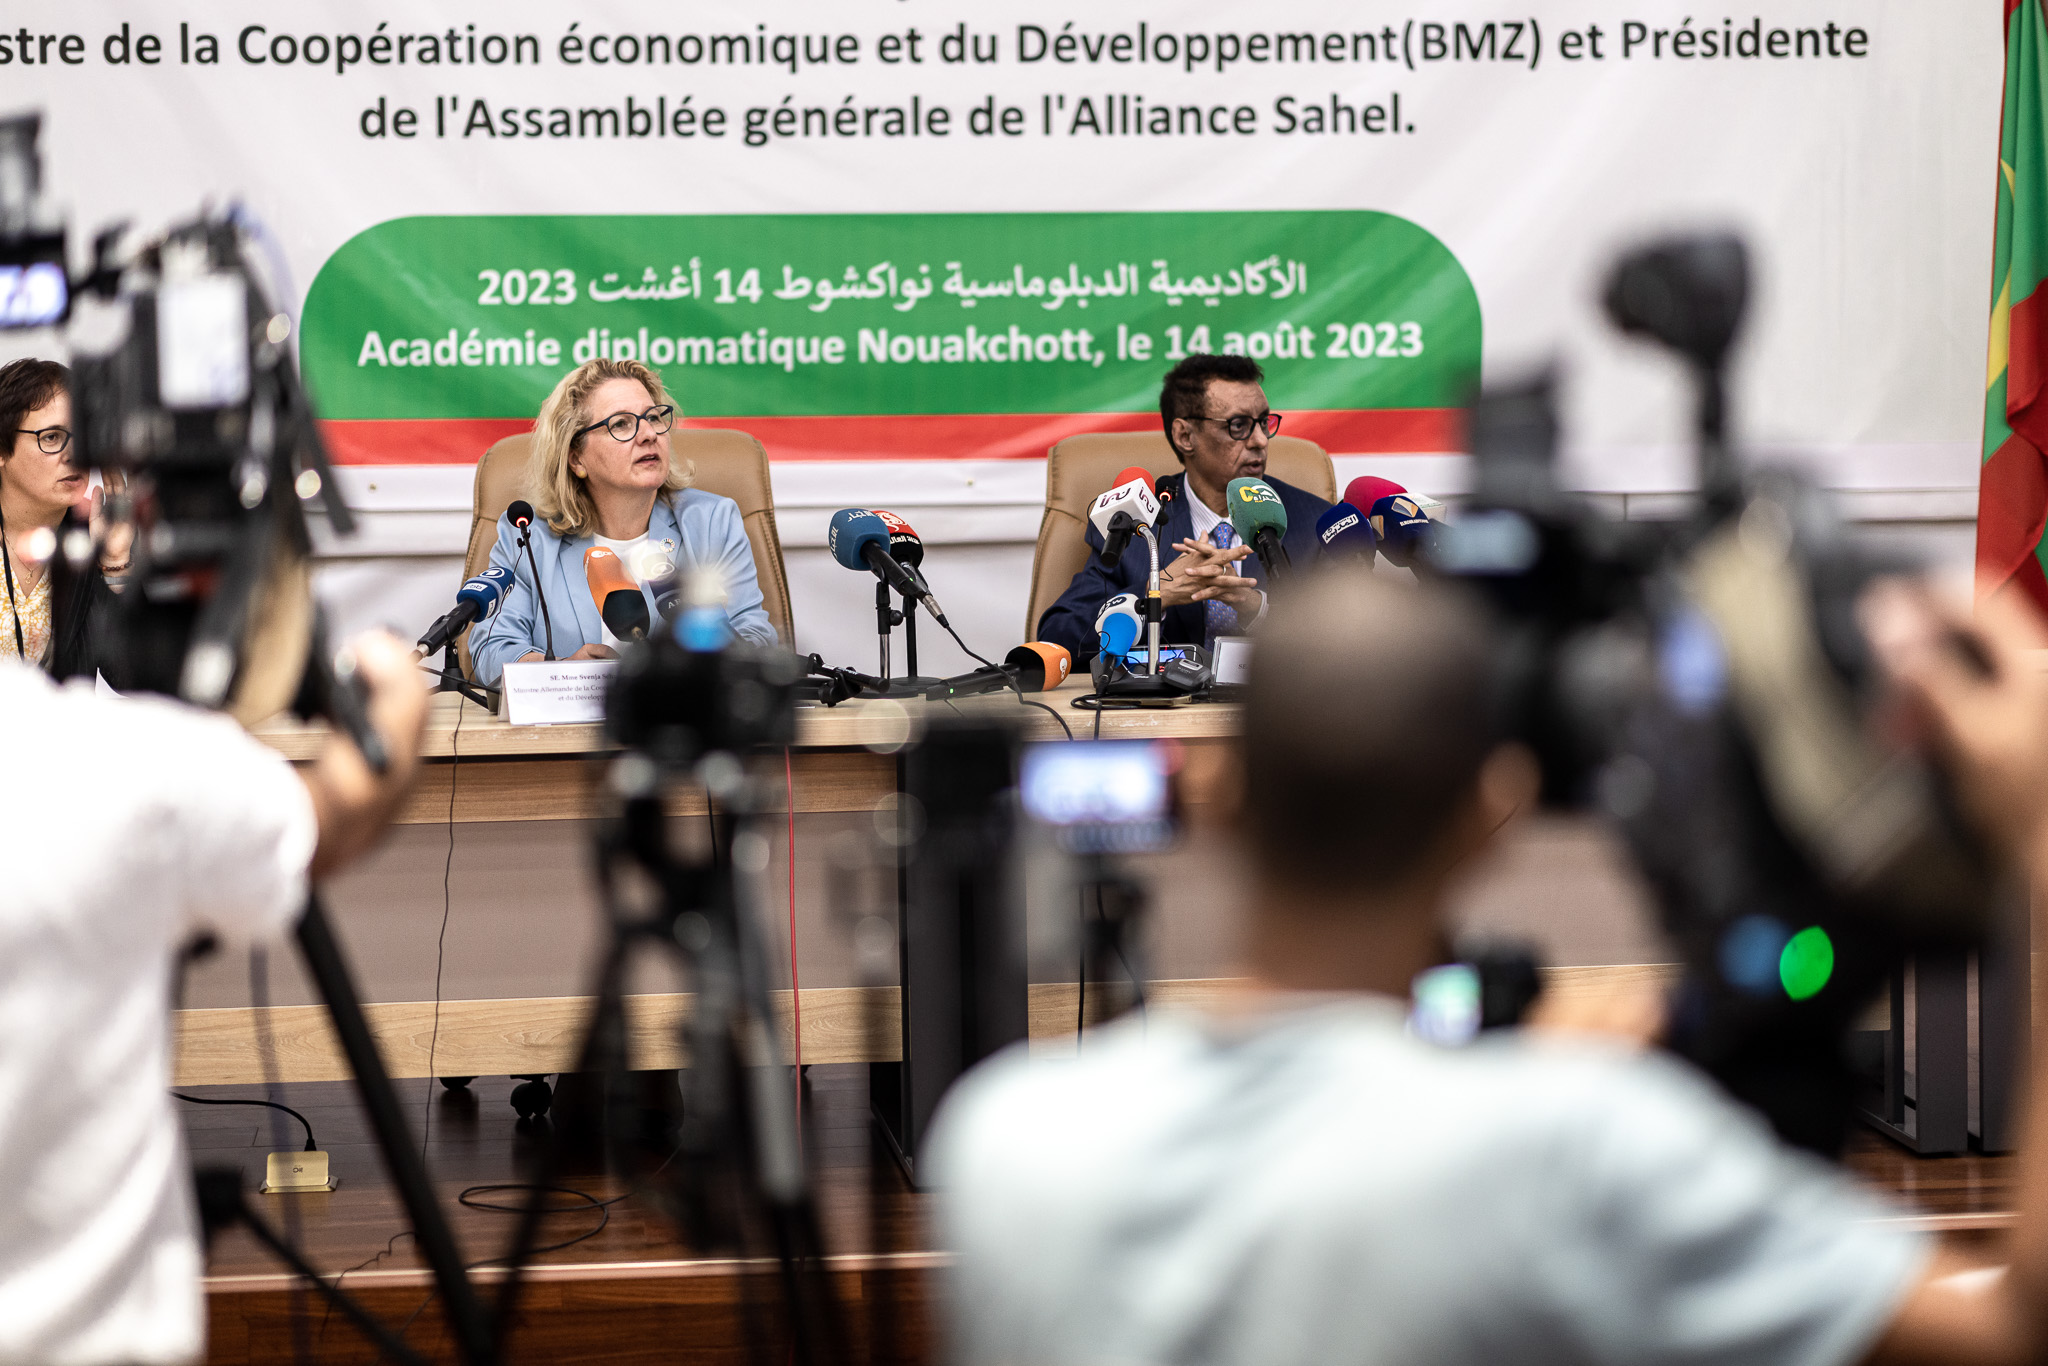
[[1219, 618]]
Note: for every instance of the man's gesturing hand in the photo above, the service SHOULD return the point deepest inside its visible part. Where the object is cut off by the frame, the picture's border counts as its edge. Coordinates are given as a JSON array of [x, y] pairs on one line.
[[1203, 572]]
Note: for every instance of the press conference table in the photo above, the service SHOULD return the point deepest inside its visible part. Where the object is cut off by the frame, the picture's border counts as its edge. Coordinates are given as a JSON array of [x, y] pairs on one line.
[[842, 760], [525, 795]]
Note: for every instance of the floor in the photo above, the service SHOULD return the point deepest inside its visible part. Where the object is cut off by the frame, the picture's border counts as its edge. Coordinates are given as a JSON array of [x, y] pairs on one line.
[[872, 1221]]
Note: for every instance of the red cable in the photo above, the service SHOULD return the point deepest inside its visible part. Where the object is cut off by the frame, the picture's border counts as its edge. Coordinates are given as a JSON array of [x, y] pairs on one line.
[[795, 991]]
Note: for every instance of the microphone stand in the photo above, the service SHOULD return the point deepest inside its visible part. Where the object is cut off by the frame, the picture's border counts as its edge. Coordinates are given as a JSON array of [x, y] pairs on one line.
[[547, 624], [452, 679], [1155, 607], [886, 617]]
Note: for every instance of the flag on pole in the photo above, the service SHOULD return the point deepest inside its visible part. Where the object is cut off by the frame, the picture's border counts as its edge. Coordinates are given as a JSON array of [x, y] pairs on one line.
[[2012, 490]]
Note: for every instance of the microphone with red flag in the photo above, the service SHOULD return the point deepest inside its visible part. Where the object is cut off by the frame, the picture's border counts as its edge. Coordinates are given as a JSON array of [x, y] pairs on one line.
[[904, 544], [1117, 514]]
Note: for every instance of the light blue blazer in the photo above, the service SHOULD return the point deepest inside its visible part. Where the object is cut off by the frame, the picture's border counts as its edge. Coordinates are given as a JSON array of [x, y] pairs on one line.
[[709, 534]]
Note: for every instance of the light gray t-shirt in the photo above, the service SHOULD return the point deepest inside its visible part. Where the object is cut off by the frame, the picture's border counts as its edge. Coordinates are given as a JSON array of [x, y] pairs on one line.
[[1315, 1186]]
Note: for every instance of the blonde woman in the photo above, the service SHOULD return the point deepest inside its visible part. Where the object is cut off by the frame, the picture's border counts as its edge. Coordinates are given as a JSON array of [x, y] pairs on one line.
[[603, 474]]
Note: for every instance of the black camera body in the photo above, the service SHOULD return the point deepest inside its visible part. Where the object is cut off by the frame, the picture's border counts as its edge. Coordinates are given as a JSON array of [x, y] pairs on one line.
[[676, 705], [1705, 686]]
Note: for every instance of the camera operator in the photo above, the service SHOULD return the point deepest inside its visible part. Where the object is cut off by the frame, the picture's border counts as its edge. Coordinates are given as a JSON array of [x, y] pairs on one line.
[[1294, 1178], [133, 825], [39, 484]]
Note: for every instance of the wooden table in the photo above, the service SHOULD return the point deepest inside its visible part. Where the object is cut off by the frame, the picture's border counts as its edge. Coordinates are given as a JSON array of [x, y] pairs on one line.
[[843, 759], [522, 782]]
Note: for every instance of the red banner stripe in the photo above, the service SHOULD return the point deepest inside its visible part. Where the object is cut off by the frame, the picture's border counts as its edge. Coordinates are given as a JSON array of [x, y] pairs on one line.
[[921, 436]]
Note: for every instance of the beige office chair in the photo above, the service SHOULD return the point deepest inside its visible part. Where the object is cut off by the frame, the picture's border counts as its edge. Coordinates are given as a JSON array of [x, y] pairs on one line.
[[728, 463], [1081, 467]]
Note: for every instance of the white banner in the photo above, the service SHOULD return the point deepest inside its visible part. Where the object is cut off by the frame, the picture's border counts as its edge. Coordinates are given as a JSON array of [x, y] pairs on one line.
[[1853, 145]]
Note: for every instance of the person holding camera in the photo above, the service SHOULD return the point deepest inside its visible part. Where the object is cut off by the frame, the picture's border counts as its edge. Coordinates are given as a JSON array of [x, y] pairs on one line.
[[1294, 1178], [139, 824], [604, 475], [40, 482]]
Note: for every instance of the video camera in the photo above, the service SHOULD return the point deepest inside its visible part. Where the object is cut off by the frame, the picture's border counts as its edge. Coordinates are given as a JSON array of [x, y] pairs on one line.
[[191, 410], [1707, 687]]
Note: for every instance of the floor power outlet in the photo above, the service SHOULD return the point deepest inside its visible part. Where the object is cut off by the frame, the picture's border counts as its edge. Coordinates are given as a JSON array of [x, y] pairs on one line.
[[285, 1173]]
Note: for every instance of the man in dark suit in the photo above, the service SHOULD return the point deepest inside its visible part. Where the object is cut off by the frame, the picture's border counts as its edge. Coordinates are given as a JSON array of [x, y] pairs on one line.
[[1215, 414]]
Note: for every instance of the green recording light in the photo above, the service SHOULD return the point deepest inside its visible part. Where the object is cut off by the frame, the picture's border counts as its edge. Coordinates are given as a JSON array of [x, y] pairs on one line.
[[1806, 964]]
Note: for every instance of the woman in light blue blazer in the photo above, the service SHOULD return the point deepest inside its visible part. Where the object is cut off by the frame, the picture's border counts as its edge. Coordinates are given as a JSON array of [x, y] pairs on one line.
[[603, 474]]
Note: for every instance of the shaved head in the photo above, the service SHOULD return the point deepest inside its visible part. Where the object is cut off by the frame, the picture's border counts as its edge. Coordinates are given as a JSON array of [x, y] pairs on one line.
[[1370, 710]]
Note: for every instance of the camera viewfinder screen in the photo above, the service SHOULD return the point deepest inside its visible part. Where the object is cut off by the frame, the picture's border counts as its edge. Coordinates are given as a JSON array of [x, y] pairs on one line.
[[1104, 794], [34, 290]]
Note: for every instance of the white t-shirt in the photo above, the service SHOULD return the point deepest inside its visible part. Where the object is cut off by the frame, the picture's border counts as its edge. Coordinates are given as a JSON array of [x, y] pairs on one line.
[[1318, 1187], [646, 560], [129, 825]]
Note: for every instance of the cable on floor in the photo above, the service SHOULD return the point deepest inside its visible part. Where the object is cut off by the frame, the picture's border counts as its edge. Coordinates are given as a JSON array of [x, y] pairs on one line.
[[311, 1146]]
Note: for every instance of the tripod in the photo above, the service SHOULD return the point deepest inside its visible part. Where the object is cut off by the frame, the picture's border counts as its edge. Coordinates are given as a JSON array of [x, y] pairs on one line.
[[739, 1127]]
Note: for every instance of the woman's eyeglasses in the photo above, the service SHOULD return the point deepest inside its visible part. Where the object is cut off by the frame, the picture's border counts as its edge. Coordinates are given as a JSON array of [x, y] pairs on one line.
[[624, 427], [53, 440]]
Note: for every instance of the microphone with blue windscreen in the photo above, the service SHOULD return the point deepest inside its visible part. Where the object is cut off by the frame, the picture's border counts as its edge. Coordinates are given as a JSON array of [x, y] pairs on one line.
[[1346, 533], [1118, 625], [476, 599], [860, 540], [1405, 531]]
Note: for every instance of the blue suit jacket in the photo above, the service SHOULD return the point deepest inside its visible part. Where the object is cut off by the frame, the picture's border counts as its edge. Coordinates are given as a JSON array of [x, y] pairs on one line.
[[708, 532], [1071, 620]]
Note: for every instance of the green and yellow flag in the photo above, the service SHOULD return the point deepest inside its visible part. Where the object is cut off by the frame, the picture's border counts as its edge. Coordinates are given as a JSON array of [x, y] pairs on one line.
[[2012, 491]]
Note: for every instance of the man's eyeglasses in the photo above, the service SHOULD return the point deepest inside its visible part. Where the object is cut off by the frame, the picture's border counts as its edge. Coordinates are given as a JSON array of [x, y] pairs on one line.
[[49, 440], [625, 427], [1240, 427]]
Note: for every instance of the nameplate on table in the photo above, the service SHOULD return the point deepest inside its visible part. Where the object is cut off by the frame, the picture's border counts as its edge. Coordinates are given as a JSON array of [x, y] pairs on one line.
[[556, 692]]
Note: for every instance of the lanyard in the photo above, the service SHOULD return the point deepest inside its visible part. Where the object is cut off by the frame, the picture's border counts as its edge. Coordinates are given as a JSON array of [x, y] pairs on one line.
[[13, 608]]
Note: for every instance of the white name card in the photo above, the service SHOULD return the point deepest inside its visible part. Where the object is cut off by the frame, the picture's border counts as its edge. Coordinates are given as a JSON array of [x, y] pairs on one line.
[[1233, 659], [556, 692]]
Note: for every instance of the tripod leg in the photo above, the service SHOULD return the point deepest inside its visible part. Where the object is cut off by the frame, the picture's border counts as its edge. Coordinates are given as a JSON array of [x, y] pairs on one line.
[[394, 1136]]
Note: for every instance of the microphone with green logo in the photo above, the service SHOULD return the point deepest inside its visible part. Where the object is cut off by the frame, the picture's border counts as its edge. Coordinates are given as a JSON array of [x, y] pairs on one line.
[[1260, 520]]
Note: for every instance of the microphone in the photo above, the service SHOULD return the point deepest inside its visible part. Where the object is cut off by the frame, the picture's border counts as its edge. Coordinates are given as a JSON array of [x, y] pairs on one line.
[[619, 600], [1032, 667], [904, 544], [1162, 489], [1368, 489], [1404, 529], [859, 540], [1260, 520], [1118, 625], [1117, 514], [520, 513], [474, 600], [1346, 532]]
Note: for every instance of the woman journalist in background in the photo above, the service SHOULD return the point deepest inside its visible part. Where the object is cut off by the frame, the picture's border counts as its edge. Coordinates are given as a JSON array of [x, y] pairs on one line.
[[39, 484], [603, 474]]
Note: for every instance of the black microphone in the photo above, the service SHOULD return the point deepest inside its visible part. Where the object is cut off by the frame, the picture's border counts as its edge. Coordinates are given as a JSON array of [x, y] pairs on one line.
[[1162, 489], [1032, 667], [521, 514], [475, 600]]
